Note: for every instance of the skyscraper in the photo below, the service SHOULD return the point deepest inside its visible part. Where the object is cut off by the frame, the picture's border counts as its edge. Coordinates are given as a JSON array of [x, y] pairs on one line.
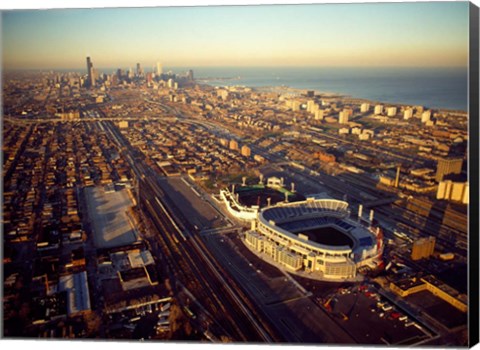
[[159, 69], [448, 166], [426, 116], [90, 72], [343, 117], [119, 73], [364, 107], [408, 113], [310, 104], [391, 111], [319, 114]]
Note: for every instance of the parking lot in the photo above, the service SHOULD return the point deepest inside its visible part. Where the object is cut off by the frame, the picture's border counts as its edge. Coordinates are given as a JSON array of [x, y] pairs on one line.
[[371, 319], [191, 203], [438, 309]]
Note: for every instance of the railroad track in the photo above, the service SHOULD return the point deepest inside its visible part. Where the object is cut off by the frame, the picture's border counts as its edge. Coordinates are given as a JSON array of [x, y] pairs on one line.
[[197, 273]]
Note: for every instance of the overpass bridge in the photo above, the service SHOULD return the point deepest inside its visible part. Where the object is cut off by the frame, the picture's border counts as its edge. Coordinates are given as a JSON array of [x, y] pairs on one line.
[[75, 120]]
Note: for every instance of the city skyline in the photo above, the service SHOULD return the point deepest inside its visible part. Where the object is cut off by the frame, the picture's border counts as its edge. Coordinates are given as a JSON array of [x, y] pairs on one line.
[[412, 34]]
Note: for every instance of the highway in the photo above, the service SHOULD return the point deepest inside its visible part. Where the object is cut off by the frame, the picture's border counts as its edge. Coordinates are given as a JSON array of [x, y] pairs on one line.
[[189, 262], [25, 122]]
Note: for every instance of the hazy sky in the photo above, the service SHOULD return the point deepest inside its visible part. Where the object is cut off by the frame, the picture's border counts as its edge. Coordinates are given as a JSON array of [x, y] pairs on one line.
[[389, 34]]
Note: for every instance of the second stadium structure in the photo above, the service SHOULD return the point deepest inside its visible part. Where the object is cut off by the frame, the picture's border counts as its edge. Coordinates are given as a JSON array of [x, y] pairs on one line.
[[244, 202]]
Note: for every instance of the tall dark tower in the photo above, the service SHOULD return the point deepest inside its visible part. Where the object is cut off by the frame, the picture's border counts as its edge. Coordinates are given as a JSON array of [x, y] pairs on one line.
[[190, 75], [91, 73]]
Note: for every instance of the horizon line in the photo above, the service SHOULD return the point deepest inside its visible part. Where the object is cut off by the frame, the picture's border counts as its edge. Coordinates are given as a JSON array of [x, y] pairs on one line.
[[5, 69]]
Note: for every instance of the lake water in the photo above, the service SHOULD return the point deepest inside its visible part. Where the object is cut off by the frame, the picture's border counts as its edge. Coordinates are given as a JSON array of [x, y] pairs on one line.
[[431, 87]]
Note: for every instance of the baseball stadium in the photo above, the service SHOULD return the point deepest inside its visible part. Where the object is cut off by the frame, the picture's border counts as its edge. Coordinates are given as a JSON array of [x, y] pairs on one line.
[[315, 237]]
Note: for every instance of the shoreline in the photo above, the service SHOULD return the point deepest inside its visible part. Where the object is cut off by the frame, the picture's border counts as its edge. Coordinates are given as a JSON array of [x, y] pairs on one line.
[[273, 88]]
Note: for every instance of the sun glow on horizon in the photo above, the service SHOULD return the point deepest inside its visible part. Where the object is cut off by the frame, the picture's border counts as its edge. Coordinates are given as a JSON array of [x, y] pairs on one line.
[[384, 34]]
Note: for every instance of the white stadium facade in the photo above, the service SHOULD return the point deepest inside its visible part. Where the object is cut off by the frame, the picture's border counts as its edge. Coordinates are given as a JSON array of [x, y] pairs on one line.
[[234, 207], [315, 237]]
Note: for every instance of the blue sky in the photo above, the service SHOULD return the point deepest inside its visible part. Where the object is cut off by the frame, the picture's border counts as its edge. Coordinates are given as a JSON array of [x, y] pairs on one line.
[[389, 34]]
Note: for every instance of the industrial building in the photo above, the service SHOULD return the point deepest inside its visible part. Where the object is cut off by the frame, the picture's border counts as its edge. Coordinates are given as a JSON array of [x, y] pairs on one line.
[[410, 286], [77, 291]]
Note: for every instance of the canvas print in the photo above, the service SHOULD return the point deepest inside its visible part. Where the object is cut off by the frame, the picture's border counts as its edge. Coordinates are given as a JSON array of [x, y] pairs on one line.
[[279, 174]]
